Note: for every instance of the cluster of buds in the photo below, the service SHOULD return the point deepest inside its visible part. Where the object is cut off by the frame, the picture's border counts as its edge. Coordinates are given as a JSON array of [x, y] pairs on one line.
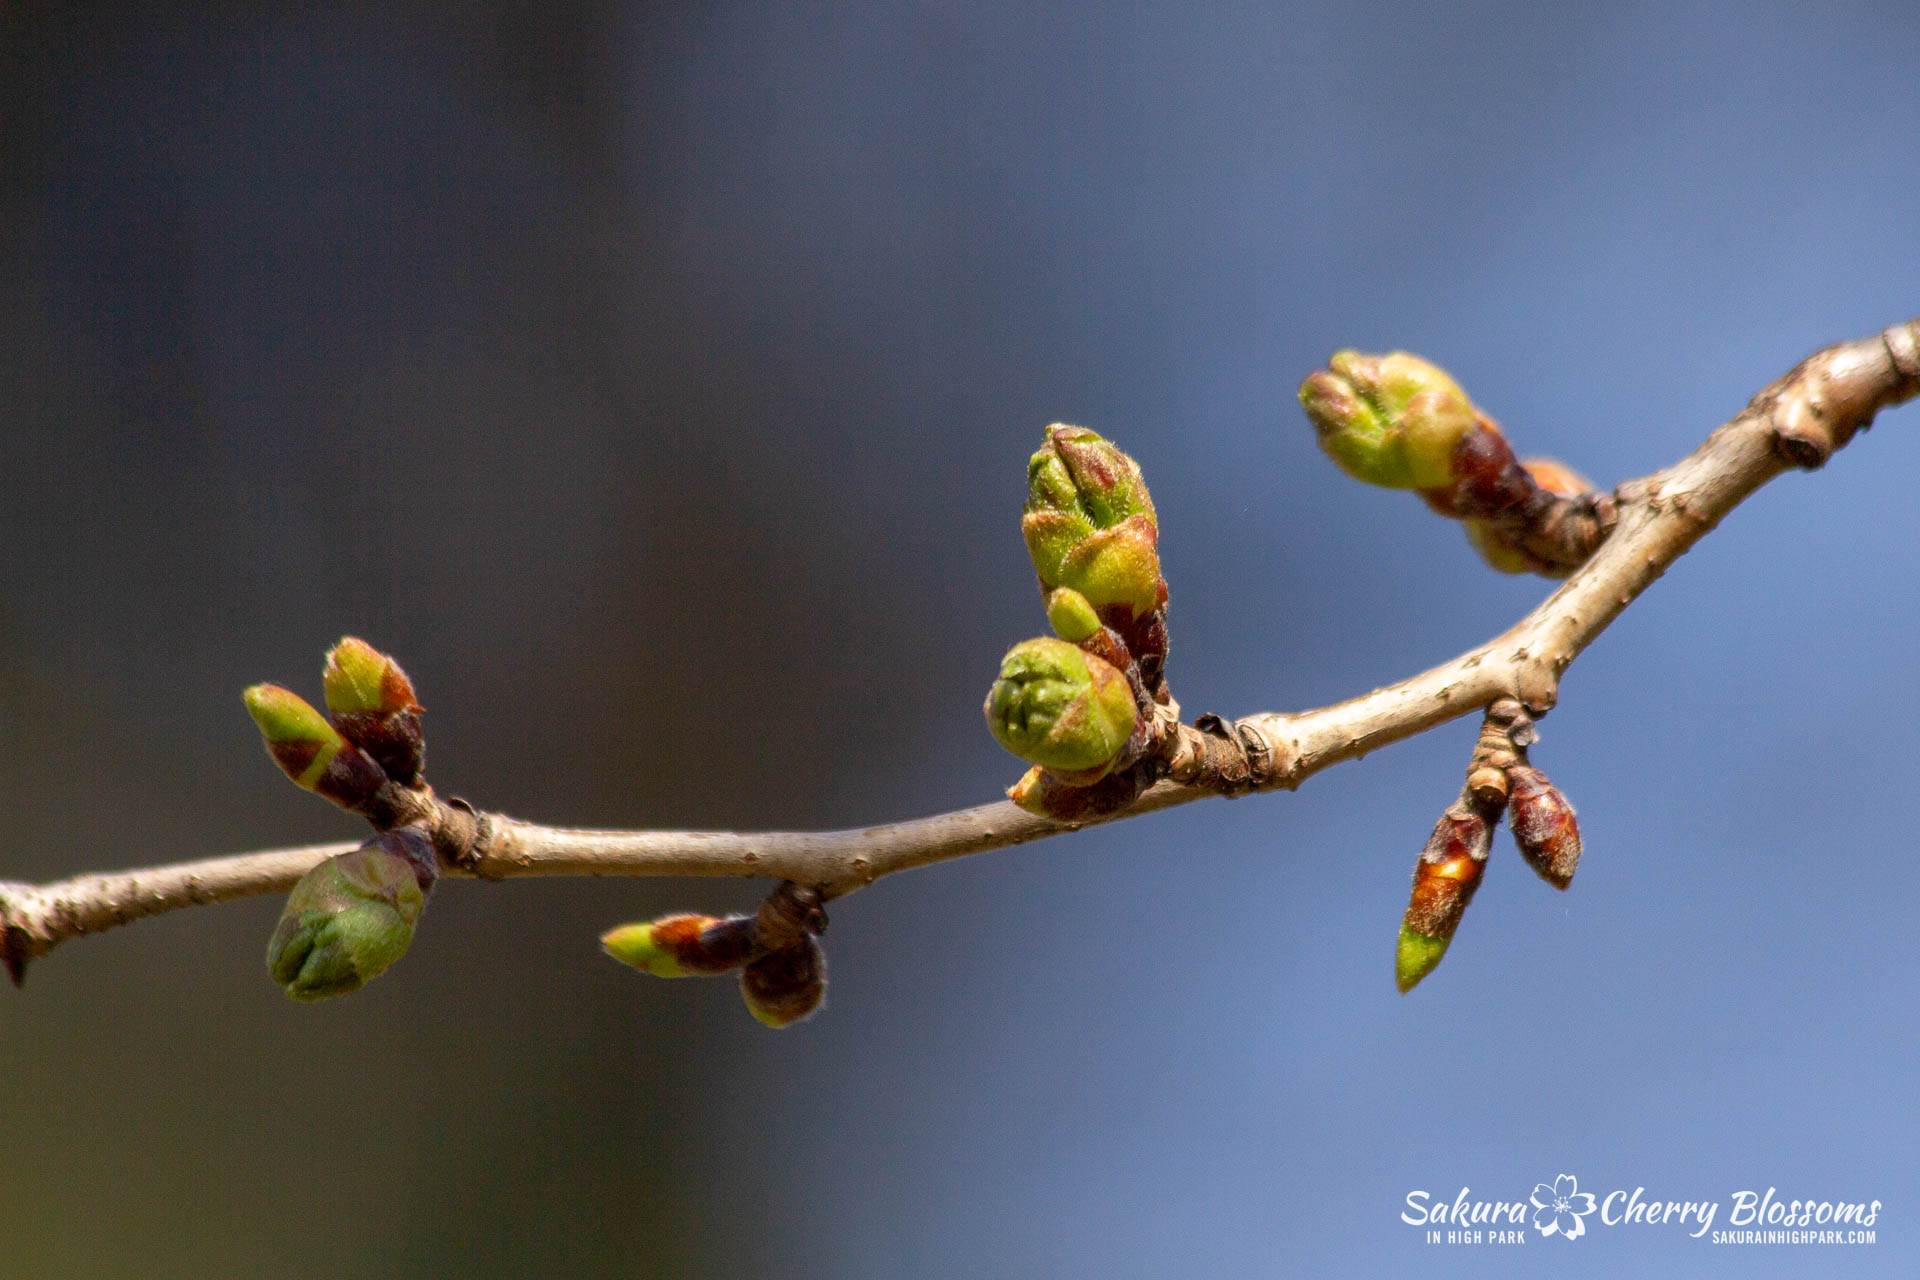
[[783, 970], [353, 915], [1081, 708], [1448, 871], [1401, 422]]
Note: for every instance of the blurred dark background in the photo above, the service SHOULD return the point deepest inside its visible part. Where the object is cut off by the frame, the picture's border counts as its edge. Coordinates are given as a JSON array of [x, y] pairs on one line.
[[656, 382]]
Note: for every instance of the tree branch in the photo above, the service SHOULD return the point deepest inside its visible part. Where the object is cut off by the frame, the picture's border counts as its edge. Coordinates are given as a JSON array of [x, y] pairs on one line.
[[1798, 421]]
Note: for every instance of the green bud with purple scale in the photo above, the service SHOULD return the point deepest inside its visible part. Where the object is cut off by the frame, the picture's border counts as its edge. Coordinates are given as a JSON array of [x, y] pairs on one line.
[[352, 916], [373, 705], [313, 753], [684, 946]]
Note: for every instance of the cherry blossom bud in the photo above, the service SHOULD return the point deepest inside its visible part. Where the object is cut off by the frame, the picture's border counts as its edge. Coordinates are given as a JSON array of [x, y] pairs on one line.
[[314, 754], [1392, 420], [1058, 706], [1444, 881], [683, 946], [351, 917], [1543, 825], [372, 704], [1089, 525]]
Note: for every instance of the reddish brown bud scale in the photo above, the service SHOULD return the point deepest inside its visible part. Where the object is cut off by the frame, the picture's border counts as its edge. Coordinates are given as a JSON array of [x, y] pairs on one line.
[[782, 987], [1544, 826], [1044, 794], [1448, 872]]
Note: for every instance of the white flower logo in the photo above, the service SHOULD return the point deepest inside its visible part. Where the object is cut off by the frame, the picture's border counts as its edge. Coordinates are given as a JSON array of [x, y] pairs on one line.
[[1560, 1207]]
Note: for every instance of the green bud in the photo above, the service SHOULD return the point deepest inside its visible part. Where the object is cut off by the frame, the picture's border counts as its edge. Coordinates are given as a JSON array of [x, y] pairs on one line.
[[785, 986], [373, 706], [1390, 420], [358, 677], [1117, 570], [1089, 523], [313, 753], [1080, 473], [346, 921], [1071, 615], [684, 946], [1058, 706]]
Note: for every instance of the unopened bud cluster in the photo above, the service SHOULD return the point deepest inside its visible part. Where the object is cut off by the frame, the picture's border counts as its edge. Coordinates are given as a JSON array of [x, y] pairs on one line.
[[353, 915], [1448, 871], [777, 952], [1078, 707], [1402, 422]]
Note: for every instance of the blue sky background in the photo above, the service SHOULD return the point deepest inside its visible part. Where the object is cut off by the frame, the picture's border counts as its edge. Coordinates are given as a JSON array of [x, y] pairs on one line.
[[657, 383]]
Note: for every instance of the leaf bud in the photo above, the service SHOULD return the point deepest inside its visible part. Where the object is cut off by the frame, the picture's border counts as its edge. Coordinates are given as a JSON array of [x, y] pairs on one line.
[[372, 704], [1544, 826], [1046, 795], [314, 754], [349, 918], [1391, 420], [1058, 706], [684, 946], [785, 986], [1444, 881]]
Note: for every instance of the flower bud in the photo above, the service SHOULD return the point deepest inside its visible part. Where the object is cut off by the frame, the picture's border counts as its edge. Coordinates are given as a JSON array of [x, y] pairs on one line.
[[1444, 881], [1058, 706], [314, 754], [784, 986], [373, 706], [683, 946], [1543, 825], [1391, 420], [1089, 524], [347, 920], [1498, 550]]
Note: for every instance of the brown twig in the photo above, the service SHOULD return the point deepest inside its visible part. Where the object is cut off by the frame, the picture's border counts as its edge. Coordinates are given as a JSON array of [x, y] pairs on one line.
[[1798, 421]]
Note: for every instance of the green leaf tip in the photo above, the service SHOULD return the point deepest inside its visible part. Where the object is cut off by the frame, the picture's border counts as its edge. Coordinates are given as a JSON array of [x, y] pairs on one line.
[[1416, 956]]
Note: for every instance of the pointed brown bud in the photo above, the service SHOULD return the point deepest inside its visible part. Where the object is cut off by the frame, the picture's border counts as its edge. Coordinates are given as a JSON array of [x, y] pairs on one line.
[[1444, 882], [1544, 826]]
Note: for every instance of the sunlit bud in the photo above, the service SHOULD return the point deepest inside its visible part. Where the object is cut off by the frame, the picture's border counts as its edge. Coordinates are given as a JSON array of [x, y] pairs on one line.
[[346, 921], [1391, 420], [1058, 706], [1543, 825], [1078, 472], [1497, 550], [683, 946], [373, 705], [1089, 524], [1444, 881], [784, 986], [313, 753]]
